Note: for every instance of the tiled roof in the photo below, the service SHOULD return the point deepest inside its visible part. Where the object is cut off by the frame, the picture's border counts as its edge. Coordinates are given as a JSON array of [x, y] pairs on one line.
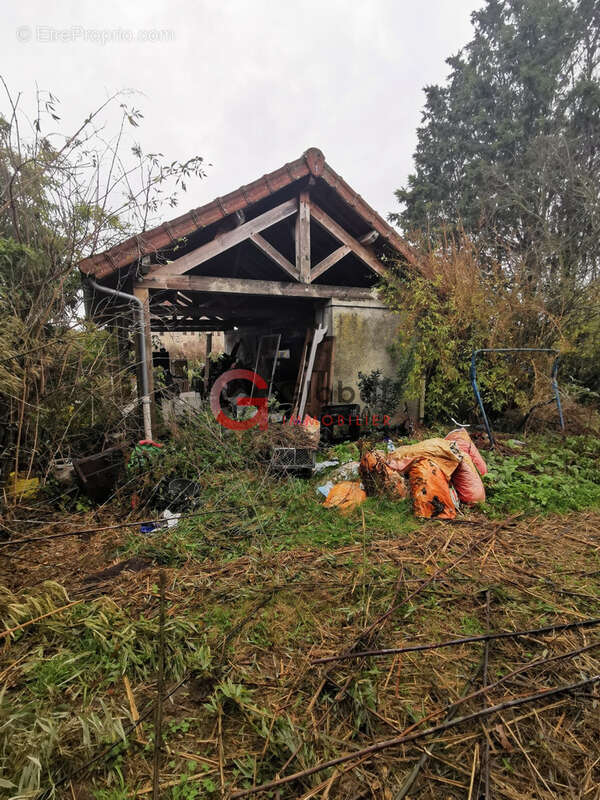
[[312, 162]]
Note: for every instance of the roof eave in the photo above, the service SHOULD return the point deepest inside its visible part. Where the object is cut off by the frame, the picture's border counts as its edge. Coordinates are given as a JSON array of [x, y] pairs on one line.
[[312, 162]]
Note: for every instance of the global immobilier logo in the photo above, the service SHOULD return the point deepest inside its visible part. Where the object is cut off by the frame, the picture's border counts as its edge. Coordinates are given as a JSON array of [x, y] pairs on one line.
[[261, 418]]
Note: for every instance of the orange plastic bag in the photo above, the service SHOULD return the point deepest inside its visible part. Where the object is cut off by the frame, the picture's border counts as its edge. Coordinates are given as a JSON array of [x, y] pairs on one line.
[[430, 490], [345, 496], [468, 484], [465, 443], [379, 477]]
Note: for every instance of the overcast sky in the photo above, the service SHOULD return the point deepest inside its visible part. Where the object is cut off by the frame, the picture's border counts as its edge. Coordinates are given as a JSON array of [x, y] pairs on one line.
[[248, 84]]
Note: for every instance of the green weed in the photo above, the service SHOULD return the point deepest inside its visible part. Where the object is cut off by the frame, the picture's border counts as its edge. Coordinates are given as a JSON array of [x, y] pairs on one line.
[[470, 626], [553, 475], [71, 666]]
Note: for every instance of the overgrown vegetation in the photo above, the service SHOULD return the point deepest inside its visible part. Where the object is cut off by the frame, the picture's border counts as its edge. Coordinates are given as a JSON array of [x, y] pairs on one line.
[[503, 205], [246, 624], [262, 580], [238, 499], [454, 306], [64, 196], [548, 475], [75, 661]]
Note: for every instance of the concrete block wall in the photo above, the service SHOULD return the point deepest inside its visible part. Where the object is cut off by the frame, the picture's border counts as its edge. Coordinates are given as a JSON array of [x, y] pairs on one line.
[[363, 334]]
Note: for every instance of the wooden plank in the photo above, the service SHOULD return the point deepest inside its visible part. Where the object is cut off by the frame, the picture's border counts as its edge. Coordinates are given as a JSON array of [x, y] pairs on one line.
[[181, 299], [207, 363], [206, 283], [298, 386], [226, 241], [320, 385], [328, 262], [366, 256], [303, 238], [268, 249]]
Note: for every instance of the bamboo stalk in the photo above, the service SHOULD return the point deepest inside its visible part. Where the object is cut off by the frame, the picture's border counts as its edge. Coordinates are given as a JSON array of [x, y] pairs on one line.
[[484, 772], [484, 637], [135, 714], [472, 781], [378, 747], [8, 631], [159, 691]]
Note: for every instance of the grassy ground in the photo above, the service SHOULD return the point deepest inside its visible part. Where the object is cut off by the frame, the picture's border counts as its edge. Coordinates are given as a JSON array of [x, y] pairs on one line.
[[547, 474], [265, 581]]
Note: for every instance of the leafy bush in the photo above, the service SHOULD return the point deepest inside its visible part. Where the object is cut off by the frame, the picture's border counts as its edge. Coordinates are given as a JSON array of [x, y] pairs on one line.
[[551, 476], [379, 393], [460, 301]]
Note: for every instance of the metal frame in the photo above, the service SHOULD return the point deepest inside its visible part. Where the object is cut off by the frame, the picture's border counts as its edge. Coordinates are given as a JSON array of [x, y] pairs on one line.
[[259, 353], [289, 459], [553, 374]]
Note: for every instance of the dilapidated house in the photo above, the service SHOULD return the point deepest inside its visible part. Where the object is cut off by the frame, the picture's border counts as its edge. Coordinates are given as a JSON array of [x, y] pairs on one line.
[[294, 252]]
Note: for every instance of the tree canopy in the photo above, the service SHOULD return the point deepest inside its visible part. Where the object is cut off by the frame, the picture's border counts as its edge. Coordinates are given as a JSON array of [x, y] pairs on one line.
[[509, 146], [505, 199]]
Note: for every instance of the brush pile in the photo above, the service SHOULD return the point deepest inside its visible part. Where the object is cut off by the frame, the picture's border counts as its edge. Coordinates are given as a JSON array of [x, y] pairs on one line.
[[268, 645]]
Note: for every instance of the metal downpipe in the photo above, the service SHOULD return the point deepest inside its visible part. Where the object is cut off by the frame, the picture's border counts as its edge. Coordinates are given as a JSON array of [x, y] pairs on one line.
[[140, 333]]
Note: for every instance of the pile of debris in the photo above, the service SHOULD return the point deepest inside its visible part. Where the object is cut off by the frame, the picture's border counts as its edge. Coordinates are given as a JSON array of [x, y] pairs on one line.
[[437, 474]]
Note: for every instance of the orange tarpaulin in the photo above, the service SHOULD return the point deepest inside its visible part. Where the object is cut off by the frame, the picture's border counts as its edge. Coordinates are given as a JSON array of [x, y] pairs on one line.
[[430, 490], [445, 454], [345, 496], [430, 464]]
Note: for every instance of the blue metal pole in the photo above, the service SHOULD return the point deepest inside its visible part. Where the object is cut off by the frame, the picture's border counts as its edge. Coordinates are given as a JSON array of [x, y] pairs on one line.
[[478, 396], [477, 393], [556, 394]]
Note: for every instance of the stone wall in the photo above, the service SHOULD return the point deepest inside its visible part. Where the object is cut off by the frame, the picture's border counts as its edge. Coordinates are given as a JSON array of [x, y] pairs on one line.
[[191, 346]]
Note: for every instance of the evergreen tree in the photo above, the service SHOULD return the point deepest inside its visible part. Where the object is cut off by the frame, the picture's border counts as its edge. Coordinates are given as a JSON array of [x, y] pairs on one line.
[[509, 148]]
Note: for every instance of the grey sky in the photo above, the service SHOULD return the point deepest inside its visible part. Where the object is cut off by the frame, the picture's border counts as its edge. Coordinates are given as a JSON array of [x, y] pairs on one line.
[[249, 84]]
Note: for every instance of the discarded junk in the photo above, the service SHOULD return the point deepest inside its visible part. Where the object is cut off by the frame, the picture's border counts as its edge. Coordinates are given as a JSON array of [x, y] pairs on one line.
[[438, 474]]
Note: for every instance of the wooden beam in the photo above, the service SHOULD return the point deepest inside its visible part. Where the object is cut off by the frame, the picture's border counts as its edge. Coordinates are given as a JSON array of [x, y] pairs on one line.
[[303, 238], [226, 241], [268, 249], [206, 283], [183, 300], [328, 262], [366, 256], [193, 327]]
